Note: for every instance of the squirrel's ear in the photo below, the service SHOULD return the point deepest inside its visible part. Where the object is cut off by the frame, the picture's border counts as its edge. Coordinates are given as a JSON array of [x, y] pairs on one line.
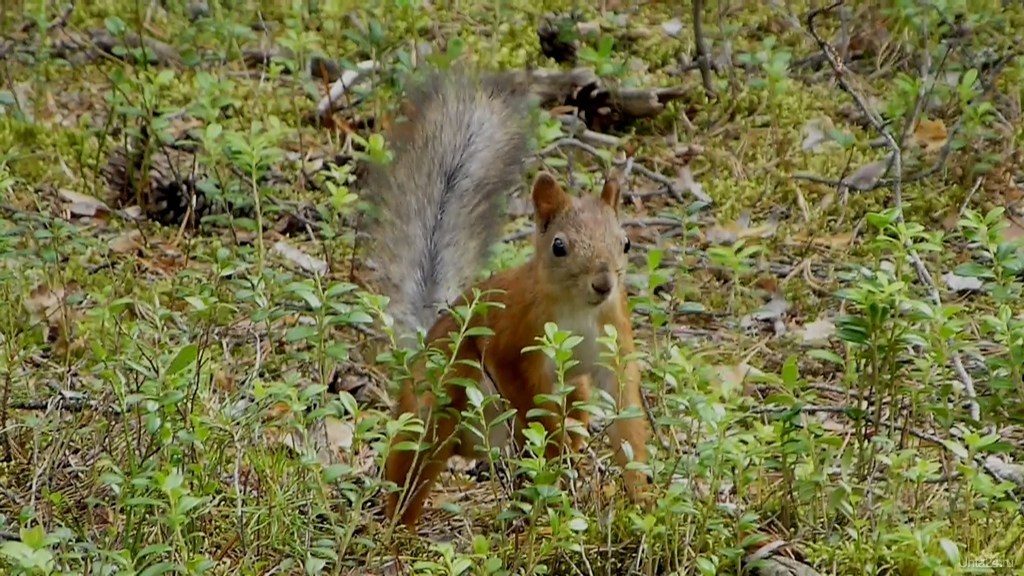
[[612, 190], [548, 199]]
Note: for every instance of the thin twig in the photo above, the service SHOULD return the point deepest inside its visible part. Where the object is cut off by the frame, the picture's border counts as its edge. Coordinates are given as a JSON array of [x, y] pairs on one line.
[[947, 148], [967, 200], [801, 409], [703, 55], [64, 404], [669, 186]]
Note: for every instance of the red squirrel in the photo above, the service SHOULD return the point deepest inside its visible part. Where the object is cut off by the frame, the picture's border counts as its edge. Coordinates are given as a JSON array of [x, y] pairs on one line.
[[456, 158]]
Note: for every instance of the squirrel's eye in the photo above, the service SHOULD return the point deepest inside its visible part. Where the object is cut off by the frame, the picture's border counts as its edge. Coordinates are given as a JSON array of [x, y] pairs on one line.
[[625, 249], [558, 248]]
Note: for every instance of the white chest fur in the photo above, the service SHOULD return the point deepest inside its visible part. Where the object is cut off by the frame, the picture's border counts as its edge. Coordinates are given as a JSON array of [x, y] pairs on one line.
[[585, 324]]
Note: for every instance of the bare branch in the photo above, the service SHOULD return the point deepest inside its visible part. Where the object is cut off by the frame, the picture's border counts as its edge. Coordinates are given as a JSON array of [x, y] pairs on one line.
[[703, 54], [669, 186], [897, 171]]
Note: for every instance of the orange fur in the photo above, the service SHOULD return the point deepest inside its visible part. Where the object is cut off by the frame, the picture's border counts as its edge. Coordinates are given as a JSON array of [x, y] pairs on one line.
[[582, 291]]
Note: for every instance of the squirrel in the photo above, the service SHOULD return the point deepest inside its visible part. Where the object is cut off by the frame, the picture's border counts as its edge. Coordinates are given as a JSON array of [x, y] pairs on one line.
[[440, 201]]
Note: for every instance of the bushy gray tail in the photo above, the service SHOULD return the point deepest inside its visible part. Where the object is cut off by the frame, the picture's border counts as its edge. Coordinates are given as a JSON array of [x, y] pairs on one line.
[[441, 200]]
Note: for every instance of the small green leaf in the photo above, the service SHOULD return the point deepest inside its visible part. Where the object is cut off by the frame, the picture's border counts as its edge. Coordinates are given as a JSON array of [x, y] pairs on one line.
[[826, 356], [183, 359], [16, 550], [300, 333], [164, 77], [790, 372], [955, 448], [196, 302], [314, 565], [114, 25], [157, 569], [706, 566], [154, 549], [187, 503], [335, 471], [577, 524], [951, 550], [475, 396], [973, 270], [173, 481], [213, 131], [34, 537]]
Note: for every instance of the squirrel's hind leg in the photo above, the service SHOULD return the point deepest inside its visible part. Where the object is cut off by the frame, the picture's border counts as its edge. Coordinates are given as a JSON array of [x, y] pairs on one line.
[[579, 396], [498, 434], [634, 431], [416, 471]]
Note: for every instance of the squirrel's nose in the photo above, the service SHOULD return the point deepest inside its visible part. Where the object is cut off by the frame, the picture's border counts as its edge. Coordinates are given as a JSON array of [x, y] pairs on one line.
[[602, 284]]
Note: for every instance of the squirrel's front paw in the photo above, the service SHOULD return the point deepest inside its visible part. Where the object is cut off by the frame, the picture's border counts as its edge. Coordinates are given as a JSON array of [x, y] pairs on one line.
[[639, 488]]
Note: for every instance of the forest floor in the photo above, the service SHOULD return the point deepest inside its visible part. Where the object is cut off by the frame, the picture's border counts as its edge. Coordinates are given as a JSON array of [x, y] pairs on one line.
[[833, 341]]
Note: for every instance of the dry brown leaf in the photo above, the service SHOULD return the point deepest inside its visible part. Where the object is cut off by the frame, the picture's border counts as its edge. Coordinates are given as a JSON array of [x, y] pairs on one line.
[[277, 410], [837, 241], [1014, 232], [330, 438], [687, 182], [46, 306], [224, 381], [337, 434], [133, 212], [930, 135], [951, 220], [43, 303], [126, 243], [79, 204], [827, 200], [816, 134], [300, 258], [562, 110], [867, 175], [242, 237], [772, 310], [958, 283], [672, 28], [818, 332], [181, 125], [729, 380], [784, 566], [732, 232]]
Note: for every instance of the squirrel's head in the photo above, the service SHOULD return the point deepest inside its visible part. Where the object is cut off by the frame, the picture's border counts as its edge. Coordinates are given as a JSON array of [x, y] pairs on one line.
[[580, 244]]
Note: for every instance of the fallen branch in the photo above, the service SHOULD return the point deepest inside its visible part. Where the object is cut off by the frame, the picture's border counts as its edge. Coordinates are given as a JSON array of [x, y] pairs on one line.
[[602, 107], [597, 103], [802, 409], [576, 128], [64, 403], [552, 87], [340, 88], [153, 50]]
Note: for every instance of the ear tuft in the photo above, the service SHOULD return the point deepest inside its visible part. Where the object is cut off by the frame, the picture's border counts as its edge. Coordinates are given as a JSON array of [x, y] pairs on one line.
[[548, 199], [612, 190]]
